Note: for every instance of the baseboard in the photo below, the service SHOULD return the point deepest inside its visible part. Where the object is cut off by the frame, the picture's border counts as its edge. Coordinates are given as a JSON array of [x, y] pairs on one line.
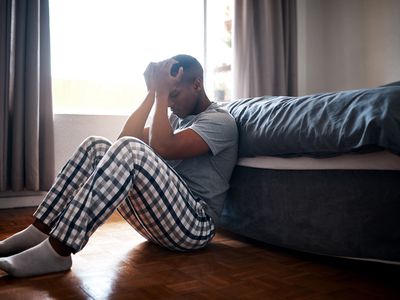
[[21, 201]]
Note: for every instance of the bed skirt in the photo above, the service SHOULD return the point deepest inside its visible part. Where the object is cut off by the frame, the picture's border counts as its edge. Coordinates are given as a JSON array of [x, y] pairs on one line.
[[352, 213]]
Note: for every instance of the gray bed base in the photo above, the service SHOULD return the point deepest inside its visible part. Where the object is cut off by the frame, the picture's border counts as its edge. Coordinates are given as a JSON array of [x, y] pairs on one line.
[[354, 213]]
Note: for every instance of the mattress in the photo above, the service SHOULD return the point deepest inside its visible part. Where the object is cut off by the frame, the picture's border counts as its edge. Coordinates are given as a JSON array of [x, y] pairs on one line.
[[343, 206], [382, 160]]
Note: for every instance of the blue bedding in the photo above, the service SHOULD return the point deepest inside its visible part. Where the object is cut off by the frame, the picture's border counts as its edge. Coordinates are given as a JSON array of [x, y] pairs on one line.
[[319, 125]]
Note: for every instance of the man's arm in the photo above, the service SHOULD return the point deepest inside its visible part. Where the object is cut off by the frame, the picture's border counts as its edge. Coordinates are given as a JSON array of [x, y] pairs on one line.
[[134, 126], [184, 144], [181, 145]]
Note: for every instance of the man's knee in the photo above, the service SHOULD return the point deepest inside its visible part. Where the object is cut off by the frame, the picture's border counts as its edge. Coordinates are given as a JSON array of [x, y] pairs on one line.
[[129, 141], [131, 144], [95, 140]]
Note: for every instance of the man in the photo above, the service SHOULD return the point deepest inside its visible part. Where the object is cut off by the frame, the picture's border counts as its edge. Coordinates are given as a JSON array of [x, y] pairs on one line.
[[174, 203]]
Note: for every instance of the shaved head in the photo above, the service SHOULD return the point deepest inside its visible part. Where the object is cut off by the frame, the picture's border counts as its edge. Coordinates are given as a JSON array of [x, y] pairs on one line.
[[192, 69]]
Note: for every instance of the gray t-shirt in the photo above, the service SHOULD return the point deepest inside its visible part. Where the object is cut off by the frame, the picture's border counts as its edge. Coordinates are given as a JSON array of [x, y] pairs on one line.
[[208, 175]]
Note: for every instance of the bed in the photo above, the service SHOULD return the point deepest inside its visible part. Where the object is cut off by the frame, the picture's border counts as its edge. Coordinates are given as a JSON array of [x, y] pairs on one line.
[[319, 173]]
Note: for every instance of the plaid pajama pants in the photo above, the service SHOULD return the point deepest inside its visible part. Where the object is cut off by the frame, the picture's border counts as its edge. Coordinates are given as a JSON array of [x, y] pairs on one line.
[[128, 176]]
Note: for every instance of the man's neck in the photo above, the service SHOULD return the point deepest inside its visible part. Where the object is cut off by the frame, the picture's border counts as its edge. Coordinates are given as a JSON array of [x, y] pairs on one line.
[[202, 104]]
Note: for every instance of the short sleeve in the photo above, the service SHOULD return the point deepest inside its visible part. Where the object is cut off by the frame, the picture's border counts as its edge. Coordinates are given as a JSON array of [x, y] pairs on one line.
[[217, 129], [174, 121]]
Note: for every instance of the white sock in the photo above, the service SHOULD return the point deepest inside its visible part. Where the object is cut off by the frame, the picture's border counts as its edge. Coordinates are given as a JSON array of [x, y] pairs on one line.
[[41, 259], [25, 239]]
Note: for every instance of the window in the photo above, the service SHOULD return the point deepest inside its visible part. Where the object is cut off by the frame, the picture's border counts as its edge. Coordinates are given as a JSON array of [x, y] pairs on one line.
[[100, 49], [219, 49]]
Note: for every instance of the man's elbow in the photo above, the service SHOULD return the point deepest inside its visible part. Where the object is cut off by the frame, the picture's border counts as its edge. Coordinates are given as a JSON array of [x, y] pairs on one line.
[[158, 148], [162, 149]]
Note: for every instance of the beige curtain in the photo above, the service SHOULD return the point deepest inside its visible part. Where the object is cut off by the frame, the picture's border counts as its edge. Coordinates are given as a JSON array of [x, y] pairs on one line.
[[265, 48], [26, 115]]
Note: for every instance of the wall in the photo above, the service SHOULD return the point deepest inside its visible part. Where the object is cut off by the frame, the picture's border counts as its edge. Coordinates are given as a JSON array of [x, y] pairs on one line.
[[346, 44], [71, 130]]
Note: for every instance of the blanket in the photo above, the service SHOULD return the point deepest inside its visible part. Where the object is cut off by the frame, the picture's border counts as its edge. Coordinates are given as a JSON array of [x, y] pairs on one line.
[[319, 125]]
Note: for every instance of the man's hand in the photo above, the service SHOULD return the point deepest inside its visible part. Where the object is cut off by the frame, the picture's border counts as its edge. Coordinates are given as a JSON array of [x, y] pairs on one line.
[[149, 76], [164, 81]]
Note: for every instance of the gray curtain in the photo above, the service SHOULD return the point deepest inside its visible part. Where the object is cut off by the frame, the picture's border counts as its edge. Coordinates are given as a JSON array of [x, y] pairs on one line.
[[265, 48], [26, 114]]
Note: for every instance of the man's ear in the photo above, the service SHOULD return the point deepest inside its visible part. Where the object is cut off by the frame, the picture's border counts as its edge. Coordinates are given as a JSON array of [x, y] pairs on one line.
[[198, 84]]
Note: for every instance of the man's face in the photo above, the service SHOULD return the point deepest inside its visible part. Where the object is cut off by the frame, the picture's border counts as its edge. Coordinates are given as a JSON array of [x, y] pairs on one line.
[[183, 99]]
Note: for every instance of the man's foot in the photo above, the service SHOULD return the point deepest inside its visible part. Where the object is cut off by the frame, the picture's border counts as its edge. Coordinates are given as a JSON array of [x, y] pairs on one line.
[[39, 260], [21, 241]]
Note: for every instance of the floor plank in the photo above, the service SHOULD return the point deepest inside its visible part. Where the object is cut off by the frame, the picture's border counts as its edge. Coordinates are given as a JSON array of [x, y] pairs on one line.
[[118, 263]]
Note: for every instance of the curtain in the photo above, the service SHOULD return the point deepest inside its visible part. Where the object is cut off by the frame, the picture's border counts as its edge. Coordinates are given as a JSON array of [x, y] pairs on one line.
[[26, 114], [265, 48]]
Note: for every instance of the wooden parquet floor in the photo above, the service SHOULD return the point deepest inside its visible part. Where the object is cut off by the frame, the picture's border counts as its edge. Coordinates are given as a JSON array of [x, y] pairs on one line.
[[118, 263]]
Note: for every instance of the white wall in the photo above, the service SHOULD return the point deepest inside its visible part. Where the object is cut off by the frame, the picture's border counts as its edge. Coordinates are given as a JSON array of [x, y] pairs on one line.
[[346, 44], [71, 130]]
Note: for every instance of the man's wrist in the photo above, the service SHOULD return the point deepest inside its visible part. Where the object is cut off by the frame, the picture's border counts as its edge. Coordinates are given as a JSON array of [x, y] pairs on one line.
[[161, 97], [150, 98]]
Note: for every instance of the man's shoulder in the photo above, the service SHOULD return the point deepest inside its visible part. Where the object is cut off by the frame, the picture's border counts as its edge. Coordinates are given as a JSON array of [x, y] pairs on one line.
[[219, 114], [220, 122]]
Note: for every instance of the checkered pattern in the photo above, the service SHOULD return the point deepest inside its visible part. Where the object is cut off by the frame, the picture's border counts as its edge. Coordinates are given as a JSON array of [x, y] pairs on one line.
[[128, 176]]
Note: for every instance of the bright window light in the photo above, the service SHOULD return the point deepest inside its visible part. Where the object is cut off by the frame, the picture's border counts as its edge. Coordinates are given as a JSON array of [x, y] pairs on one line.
[[219, 49], [100, 49]]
